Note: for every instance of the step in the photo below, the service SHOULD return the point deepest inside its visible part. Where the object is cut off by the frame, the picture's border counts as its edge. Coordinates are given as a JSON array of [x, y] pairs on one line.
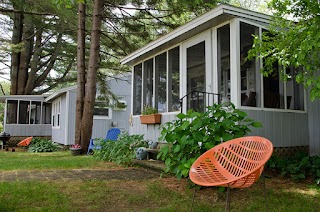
[[152, 164]]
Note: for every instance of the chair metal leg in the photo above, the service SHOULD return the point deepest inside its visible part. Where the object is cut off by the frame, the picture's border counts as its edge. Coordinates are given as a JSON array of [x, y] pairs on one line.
[[228, 199], [194, 194], [265, 191]]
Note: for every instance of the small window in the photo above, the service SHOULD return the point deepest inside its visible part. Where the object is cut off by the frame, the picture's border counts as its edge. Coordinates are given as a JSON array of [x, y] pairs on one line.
[[101, 108], [120, 105], [56, 111]]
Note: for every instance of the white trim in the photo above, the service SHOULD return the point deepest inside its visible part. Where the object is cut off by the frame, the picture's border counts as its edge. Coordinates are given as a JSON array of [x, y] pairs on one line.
[[272, 109], [132, 88], [97, 117], [53, 110], [66, 126], [60, 92], [219, 10], [235, 62]]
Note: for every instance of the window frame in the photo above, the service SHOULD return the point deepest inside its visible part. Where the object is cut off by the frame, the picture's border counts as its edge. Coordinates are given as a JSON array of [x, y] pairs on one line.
[[283, 83], [102, 117], [56, 114]]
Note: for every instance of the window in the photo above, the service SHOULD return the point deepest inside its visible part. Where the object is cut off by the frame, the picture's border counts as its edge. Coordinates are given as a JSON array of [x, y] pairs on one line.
[[161, 83], [101, 108], [137, 89], [56, 111], [249, 72], [174, 80], [224, 60], [28, 112], [120, 105], [148, 82], [12, 111], [271, 90]]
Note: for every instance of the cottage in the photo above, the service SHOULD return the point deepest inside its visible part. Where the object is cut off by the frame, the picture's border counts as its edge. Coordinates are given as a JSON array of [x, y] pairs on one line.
[[54, 115], [203, 62]]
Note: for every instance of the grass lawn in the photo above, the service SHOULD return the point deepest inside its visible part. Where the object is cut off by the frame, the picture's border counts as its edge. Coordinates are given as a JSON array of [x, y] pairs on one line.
[[159, 194]]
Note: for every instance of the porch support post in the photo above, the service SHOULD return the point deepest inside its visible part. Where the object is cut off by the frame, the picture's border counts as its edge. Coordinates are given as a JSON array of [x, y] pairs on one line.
[[235, 61]]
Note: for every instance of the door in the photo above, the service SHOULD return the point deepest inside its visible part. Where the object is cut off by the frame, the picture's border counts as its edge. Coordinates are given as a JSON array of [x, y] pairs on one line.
[[196, 72]]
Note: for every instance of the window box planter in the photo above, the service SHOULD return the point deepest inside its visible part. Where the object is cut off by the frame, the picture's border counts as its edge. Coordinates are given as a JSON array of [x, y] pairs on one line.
[[150, 119]]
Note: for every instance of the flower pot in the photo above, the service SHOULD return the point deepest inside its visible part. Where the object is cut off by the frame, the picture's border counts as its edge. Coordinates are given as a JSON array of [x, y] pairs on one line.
[[75, 151], [150, 119]]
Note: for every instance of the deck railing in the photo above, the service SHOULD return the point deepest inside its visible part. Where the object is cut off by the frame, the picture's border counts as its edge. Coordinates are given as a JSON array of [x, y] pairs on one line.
[[199, 100]]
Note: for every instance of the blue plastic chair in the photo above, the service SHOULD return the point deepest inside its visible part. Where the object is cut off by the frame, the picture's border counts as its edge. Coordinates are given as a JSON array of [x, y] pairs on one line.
[[112, 135]]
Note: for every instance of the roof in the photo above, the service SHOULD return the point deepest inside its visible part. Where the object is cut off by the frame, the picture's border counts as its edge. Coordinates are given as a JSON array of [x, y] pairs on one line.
[[206, 21], [60, 92], [23, 97]]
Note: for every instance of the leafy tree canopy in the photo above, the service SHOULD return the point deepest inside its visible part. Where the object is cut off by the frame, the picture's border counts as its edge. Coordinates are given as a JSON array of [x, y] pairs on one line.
[[293, 40]]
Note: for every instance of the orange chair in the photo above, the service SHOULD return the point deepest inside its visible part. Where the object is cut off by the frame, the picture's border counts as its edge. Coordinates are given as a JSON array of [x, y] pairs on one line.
[[237, 163], [25, 142]]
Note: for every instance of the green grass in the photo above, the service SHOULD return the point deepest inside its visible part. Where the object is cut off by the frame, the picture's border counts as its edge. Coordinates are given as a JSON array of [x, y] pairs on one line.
[[52, 160], [159, 194]]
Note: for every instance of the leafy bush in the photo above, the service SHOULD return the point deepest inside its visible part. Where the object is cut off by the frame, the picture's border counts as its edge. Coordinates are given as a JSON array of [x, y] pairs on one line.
[[298, 167], [42, 145], [121, 151], [194, 133]]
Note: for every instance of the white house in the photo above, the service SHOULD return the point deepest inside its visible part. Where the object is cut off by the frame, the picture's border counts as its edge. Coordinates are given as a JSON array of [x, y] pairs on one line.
[[204, 60], [54, 115]]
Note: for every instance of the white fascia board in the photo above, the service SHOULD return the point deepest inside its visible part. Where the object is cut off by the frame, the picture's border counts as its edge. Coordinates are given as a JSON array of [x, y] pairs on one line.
[[219, 10], [59, 92]]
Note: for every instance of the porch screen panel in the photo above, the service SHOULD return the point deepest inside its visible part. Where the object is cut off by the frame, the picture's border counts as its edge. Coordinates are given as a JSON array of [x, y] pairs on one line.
[[24, 112], [250, 76], [137, 89], [12, 111], [161, 82], [35, 112], [224, 60], [46, 113], [174, 79], [196, 76], [294, 91], [273, 89], [148, 82]]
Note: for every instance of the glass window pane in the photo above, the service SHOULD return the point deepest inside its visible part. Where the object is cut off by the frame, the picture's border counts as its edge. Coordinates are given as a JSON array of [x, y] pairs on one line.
[[161, 82], [174, 79], [46, 113], [148, 73], [196, 76], [24, 109], [250, 75], [273, 89], [100, 109], [12, 111], [294, 91], [35, 112], [137, 89], [224, 60]]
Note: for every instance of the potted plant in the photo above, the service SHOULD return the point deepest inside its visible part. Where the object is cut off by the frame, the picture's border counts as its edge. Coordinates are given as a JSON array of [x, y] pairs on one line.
[[150, 115], [75, 149]]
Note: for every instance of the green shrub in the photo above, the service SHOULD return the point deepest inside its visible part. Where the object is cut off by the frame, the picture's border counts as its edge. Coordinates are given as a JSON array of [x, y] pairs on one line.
[[43, 145], [148, 110], [121, 151], [298, 167], [194, 133]]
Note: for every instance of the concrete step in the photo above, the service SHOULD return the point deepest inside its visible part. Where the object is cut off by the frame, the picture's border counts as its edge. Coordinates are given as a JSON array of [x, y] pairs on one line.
[[152, 164]]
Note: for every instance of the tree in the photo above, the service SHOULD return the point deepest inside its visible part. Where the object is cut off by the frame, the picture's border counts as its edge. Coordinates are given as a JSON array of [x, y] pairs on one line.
[[40, 45], [121, 29], [293, 43]]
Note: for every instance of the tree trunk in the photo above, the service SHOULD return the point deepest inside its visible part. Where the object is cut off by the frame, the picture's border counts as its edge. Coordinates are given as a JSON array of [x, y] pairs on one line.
[[81, 70], [90, 91], [15, 56]]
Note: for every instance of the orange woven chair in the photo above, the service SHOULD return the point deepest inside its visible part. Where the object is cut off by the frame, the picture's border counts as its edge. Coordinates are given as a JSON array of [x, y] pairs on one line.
[[25, 142], [237, 163]]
